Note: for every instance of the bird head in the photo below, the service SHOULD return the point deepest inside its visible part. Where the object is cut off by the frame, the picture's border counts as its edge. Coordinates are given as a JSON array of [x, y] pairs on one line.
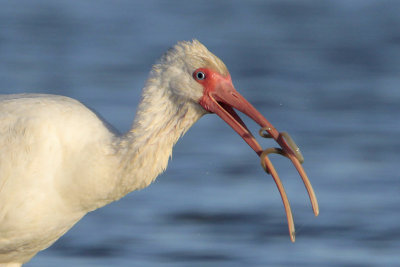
[[192, 72]]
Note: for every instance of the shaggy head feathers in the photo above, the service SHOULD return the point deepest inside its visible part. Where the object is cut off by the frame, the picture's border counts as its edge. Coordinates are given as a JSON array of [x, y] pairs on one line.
[[174, 70], [195, 55]]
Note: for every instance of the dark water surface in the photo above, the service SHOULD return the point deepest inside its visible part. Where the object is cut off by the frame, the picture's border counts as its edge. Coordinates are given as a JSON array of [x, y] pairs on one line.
[[327, 72]]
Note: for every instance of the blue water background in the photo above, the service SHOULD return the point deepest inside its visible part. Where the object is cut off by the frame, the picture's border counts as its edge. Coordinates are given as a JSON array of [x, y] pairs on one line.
[[328, 72]]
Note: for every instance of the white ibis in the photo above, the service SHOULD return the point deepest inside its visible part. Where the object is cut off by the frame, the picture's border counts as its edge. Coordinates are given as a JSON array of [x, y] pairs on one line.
[[59, 160]]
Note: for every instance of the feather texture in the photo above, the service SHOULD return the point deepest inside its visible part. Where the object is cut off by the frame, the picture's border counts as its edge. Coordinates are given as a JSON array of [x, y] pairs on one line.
[[59, 160]]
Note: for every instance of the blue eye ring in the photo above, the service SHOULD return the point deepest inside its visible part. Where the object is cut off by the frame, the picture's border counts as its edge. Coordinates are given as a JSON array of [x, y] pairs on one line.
[[200, 75]]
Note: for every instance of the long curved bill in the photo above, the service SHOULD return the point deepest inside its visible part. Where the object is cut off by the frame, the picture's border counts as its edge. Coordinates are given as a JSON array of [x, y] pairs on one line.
[[222, 100]]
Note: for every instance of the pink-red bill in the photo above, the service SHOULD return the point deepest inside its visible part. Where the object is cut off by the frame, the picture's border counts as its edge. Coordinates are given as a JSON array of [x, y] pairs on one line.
[[222, 100]]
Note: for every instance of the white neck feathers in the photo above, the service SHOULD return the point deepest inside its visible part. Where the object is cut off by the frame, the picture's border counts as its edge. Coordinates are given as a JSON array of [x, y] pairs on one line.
[[161, 119]]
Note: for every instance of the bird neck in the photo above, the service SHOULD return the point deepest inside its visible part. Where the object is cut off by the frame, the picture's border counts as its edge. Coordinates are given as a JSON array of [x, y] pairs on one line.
[[144, 151]]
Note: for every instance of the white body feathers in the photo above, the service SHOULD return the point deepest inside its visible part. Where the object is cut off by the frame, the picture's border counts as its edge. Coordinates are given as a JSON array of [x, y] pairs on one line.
[[59, 160]]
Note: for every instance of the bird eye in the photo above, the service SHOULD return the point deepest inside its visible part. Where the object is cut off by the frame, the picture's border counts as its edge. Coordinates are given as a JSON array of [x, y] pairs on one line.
[[200, 75]]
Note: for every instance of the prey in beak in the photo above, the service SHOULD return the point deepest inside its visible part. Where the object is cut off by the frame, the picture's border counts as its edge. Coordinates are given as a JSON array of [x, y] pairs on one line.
[[220, 97]]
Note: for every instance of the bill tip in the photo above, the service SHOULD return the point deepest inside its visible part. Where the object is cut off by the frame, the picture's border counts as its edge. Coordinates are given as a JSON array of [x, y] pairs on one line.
[[293, 237]]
